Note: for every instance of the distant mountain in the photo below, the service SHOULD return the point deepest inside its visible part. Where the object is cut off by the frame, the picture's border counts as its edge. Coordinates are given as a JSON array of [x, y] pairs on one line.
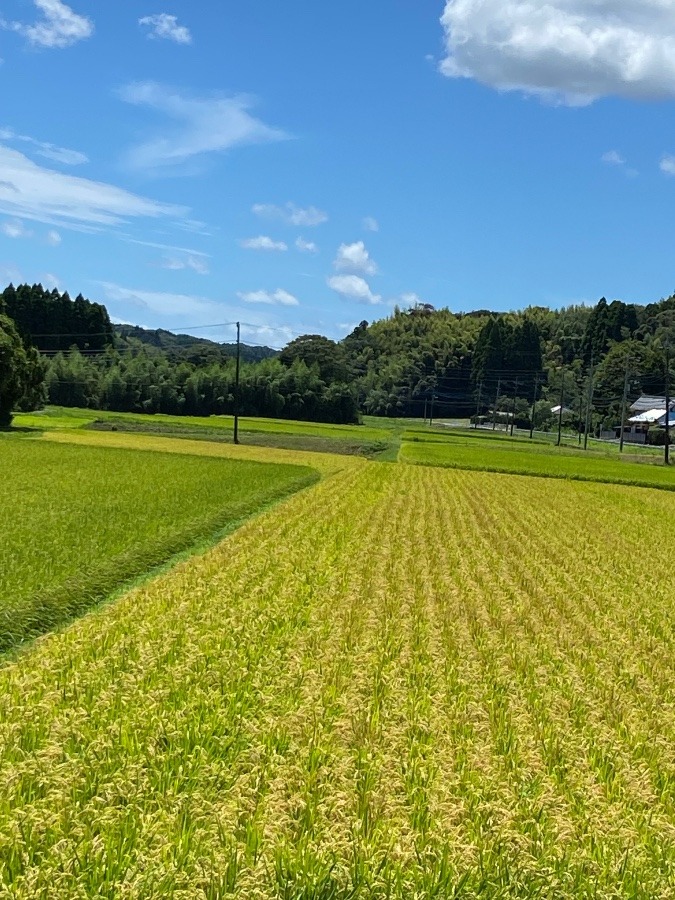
[[186, 346]]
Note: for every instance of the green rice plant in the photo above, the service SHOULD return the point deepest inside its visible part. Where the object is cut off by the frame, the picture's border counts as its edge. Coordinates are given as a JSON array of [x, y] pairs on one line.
[[404, 682], [520, 458], [77, 522]]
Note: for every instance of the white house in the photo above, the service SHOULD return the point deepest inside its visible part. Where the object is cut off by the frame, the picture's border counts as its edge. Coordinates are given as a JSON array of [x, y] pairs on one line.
[[648, 412]]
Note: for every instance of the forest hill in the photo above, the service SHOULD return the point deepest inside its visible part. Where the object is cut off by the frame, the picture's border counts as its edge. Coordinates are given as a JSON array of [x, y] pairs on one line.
[[389, 367]]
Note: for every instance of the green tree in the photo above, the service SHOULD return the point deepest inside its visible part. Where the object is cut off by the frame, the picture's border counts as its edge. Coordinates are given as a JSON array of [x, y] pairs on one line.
[[21, 372]]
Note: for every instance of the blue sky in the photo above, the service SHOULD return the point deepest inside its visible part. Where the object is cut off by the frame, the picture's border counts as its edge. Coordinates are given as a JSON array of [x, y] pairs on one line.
[[302, 166]]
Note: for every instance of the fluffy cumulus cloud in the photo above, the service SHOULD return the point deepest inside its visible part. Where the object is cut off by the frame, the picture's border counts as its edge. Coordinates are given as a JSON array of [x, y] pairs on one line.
[[667, 164], [37, 193], [270, 298], [613, 158], [190, 262], [306, 246], [15, 229], [409, 299], [263, 242], [59, 26], [618, 161], [202, 125], [290, 214], [167, 28], [570, 51], [353, 287], [355, 258]]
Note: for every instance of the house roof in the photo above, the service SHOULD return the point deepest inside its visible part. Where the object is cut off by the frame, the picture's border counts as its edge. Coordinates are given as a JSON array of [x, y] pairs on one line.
[[566, 411], [646, 404], [649, 417], [653, 417]]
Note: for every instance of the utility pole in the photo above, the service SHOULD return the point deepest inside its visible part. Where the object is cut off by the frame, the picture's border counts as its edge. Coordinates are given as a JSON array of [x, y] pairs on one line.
[[560, 411], [236, 386], [581, 413], [589, 404], [623, 403], [425, 410], [534, 403], [667, 448], [480, 397], [431, 411], [513, 411], [494, 414]]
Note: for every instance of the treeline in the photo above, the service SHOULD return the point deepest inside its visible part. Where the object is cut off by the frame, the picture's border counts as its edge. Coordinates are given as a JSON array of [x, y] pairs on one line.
[[143, 380], [50, 321], [459, 364]]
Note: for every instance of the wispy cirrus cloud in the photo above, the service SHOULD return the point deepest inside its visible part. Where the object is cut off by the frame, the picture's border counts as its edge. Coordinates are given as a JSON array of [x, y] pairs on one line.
[[568, 51], [176, 259], [203, 125], [353, 287], [33, 192], [270, 298], [263, 242], [191, 308], [46, 150], [166, 27], [188, 311], [290, 214], [371, 224], [59, 27]]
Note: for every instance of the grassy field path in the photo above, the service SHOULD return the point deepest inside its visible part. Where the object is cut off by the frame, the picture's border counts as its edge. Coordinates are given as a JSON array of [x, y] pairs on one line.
[[403, 682]]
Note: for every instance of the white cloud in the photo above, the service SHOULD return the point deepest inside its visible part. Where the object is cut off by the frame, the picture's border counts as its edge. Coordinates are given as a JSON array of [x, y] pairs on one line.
[[53, 238], [613, 158], [171, 247], [165, 304], [306, 246], [30, 191], [15, 229], [46, 150], [186, 311], [291, 214], [371, 224], [570, 51], [353, 287], [409, 299], [177, 264], [355, 258], [60, 27], [274, 298], [667, 164], [263, 243], [167, 27], [204, 125]]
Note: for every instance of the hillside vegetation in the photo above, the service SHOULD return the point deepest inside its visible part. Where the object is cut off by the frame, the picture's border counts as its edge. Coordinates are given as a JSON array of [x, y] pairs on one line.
[[455, 364]]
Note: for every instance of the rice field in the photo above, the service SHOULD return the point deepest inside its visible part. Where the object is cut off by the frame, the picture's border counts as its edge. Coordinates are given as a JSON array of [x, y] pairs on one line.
[[405, 682], [518, 457], [78, 521]]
